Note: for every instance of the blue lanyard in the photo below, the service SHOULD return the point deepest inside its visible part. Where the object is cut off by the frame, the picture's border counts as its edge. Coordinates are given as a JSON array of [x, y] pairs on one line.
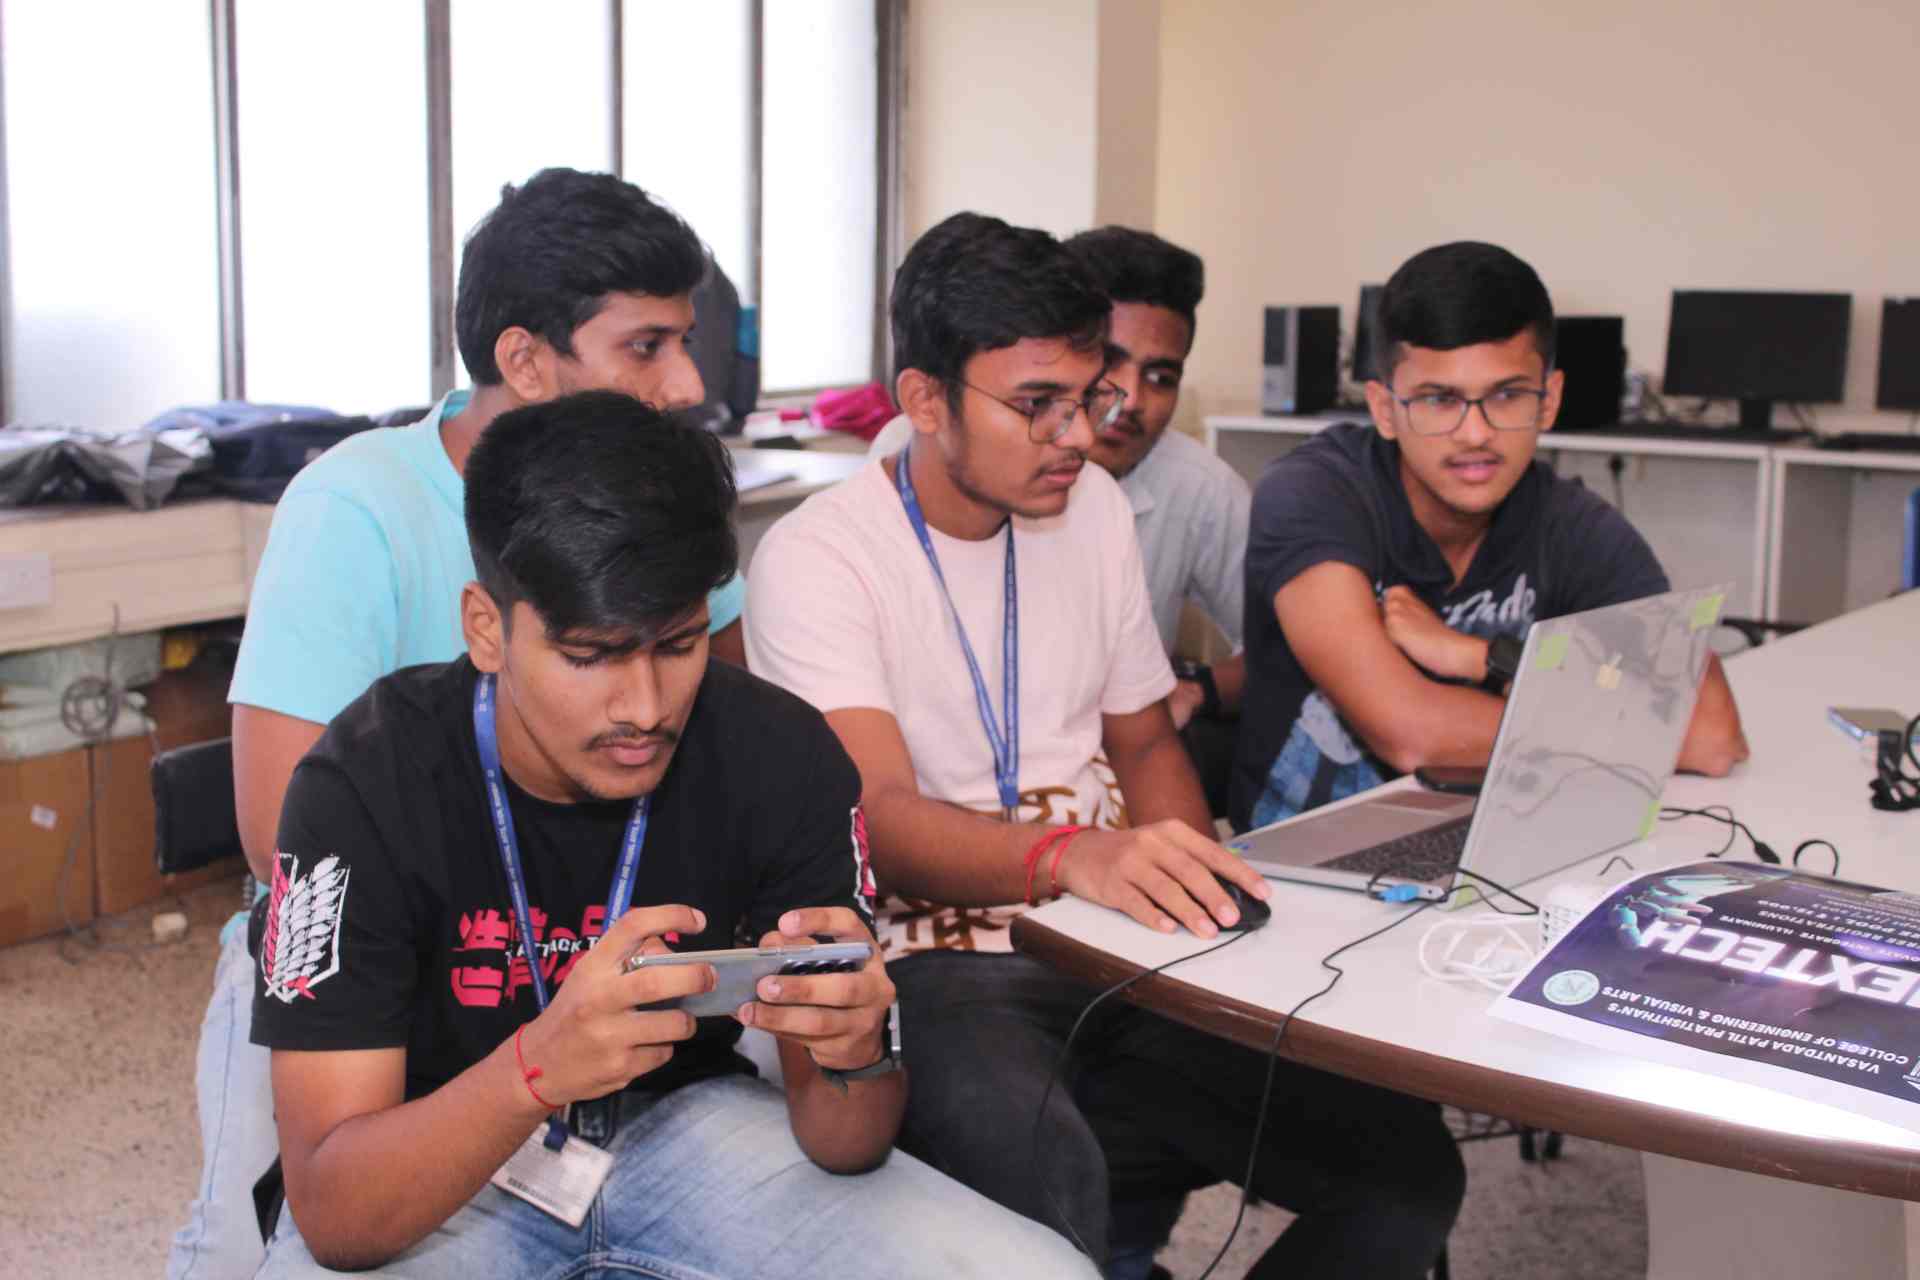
[[1006, 747], [619, 898]]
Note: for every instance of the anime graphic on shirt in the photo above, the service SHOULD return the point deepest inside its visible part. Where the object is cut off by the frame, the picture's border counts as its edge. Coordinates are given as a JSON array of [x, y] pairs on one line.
[[301, 946], [1322, 762]]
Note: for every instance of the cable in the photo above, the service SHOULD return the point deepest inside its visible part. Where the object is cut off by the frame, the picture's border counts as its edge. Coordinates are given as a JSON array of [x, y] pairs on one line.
[[1762, 851], [1894, 789], [1066, 1051]]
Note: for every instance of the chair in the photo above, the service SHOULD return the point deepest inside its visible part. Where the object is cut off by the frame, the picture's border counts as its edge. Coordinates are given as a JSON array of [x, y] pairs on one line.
[[194, 819]]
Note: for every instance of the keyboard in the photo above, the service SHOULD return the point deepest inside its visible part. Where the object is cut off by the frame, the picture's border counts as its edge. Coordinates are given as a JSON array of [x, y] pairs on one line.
[[1426, 855], [1875, 440], [1680, 431]]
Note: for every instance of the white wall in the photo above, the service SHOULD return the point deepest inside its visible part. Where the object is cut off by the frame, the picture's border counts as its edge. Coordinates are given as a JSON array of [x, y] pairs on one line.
[[1624, 149]]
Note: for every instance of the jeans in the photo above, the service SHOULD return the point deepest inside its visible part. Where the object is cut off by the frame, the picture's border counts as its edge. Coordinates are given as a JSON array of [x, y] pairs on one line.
[[1148, 1110], [238, 1141], [709, 1184]]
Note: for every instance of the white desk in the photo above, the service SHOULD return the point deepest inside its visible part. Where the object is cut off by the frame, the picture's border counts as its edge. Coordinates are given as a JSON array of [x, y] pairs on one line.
[[194, 561], [1387, 1023], [1837, 521], [1701, 504]]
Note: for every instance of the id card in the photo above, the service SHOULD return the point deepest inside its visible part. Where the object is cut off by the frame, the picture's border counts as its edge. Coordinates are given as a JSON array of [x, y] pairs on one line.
[[562, 1183]]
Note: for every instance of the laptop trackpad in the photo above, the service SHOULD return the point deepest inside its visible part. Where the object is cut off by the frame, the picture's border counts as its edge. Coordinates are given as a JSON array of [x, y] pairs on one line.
[[1360, 826]]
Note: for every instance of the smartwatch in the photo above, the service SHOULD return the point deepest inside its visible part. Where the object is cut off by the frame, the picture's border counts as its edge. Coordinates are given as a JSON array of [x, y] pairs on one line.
[[1201, 674], [1503, 662], [889, 1059]]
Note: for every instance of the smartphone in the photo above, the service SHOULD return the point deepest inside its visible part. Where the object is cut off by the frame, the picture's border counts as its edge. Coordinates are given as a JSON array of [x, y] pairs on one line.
[[1864, 724], [739, 971], [1455, 779]]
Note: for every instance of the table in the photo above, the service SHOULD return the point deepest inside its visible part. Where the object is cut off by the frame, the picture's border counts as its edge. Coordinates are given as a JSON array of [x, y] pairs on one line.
[[1711, 1212], [194, 561], [1701, 504]]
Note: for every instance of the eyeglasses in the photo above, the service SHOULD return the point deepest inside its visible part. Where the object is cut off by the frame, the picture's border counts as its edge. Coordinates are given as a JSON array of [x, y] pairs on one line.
[[1440, 413], [1050, 417]]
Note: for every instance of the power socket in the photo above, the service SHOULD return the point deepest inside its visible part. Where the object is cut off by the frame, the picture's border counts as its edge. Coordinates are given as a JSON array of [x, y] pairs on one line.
[[26, 580]]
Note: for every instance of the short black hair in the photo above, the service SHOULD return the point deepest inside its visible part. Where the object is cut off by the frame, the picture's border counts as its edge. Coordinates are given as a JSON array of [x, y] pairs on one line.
[[1138, 266], [973, 283], [551, 251], [1460, 295], [601, 512]]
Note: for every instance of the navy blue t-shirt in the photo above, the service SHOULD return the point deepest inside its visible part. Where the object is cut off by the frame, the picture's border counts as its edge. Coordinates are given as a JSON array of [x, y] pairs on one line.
[[1554, 548]]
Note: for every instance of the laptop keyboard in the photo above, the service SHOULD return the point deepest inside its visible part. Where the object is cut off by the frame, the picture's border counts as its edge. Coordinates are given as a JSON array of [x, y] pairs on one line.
[[1426, 855]]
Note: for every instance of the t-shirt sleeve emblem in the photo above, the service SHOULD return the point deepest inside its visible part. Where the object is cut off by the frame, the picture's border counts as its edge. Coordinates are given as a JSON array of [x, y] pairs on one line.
[[863, 885], [300, 948]]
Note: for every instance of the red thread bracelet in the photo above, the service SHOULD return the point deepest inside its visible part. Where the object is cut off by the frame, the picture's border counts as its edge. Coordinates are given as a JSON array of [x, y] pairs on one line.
[[1053, 867], [1039, 849], [529, 1074]]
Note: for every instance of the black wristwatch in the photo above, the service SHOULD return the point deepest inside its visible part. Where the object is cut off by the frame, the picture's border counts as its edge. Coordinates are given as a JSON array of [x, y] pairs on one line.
[[1201, 674], [1503, 662], [889, 1059]]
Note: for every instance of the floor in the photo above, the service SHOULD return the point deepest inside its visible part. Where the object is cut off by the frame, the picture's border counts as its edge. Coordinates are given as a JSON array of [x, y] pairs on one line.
[[100, 1149]]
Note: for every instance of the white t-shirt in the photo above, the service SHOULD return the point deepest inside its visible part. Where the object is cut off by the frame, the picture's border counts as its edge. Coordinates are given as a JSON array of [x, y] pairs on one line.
[[843, 610]]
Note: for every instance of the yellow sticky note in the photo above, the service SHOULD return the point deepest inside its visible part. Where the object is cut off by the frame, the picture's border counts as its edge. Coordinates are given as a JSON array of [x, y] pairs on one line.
[[1707, 612], [1653, 817], [1552, 652]]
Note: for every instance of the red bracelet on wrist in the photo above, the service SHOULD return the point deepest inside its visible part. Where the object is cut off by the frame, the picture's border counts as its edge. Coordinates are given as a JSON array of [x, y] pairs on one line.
[[1056, 835], [529, 1074], [1053, 867]]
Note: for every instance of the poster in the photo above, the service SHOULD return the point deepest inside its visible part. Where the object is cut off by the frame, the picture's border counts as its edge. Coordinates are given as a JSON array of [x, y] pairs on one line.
[[1759, 973]]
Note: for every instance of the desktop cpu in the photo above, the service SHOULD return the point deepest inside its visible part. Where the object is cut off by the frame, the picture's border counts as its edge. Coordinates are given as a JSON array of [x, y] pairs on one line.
[[1302, 366]]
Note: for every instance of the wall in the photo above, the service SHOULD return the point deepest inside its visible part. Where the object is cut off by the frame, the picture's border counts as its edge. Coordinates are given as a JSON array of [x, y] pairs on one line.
[[1624, 150]]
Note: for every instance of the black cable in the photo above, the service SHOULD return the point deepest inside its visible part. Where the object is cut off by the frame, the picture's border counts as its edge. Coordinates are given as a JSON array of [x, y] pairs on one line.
[[1618, 857], [1894, 789], [1804, 845], [1066, 1052], [1761, 849]]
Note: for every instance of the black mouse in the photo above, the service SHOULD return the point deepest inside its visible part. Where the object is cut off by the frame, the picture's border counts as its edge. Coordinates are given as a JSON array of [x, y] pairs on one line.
[[1253, 912]]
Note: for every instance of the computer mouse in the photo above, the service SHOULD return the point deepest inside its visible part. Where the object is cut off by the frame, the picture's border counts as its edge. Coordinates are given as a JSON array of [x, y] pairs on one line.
[[1253, 912]]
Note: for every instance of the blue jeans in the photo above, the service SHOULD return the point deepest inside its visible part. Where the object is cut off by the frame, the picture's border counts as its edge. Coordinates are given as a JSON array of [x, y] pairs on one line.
[[709, 1184], [238, 1141]]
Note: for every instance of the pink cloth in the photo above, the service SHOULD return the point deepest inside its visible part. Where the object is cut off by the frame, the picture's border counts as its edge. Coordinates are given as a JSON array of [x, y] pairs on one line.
[[860, 410]]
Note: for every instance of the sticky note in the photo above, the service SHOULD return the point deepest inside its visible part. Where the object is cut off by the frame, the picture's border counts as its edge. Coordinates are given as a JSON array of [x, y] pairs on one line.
[[1653, 817], [1552, 652], [1707, 612]]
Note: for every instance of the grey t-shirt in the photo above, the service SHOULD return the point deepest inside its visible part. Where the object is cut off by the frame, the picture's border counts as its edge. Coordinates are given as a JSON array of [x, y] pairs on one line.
[[1554, 548]]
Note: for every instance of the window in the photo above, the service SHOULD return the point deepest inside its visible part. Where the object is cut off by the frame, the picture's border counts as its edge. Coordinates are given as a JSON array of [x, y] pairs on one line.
[[764, 124]]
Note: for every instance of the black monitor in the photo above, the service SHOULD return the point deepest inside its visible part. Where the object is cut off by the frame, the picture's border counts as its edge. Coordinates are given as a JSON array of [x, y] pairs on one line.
[[1899, 385], [1758, 348], [1591, 354], [1364, 324]]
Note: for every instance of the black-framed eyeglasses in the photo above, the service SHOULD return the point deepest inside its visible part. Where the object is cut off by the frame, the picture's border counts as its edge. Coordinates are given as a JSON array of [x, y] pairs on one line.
[[1440, 413], [1050, 417]]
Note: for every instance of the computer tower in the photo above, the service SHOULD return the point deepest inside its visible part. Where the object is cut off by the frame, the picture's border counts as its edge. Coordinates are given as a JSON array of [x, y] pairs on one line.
[[1302, 371], [1591, 351]]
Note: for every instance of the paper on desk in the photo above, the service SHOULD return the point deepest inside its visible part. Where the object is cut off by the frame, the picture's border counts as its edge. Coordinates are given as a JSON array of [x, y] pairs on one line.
[[1790, 981], [751, 473]]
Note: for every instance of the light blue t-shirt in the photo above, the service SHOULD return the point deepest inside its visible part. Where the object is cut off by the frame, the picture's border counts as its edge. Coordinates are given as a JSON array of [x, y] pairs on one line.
[[363, 572]]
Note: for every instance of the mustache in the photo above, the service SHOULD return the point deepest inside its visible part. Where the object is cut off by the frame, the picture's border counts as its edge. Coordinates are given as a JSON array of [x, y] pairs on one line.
[[628, 735]]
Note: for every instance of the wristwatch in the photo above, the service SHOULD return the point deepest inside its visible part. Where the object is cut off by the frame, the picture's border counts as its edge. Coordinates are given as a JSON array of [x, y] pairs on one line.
[[889, 1059], [1201, 674], [1503, 662]]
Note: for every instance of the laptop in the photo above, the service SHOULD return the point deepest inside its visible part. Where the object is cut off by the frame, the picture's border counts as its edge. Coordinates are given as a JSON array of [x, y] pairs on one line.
[[1590, 734]]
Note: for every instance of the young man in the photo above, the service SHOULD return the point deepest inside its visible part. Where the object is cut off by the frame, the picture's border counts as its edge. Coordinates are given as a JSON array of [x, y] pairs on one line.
[[575, 280], [1189, 508], [443, 974], [1385, 563], [982, 747]]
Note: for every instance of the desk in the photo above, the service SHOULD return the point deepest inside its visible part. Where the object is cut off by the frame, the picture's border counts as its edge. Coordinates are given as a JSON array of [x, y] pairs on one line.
[[1701, 504], [1388, 1024], [194, 561]]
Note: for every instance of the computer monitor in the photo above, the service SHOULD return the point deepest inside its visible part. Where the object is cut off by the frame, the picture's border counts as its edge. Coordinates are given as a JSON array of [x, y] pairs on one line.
[[1591, 353], [1899, 384], [1758, 348], [1363, 328]]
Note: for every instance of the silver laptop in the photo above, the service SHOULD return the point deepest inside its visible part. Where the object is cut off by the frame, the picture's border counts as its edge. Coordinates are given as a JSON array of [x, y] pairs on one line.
[[1590, 734]]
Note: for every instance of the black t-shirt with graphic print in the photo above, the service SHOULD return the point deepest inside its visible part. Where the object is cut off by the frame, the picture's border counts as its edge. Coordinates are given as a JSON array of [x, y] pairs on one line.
[[1554, 548], [391, 925]]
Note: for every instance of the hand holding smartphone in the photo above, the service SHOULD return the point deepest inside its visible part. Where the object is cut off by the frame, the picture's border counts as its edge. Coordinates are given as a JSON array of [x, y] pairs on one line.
[[738, 971]]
